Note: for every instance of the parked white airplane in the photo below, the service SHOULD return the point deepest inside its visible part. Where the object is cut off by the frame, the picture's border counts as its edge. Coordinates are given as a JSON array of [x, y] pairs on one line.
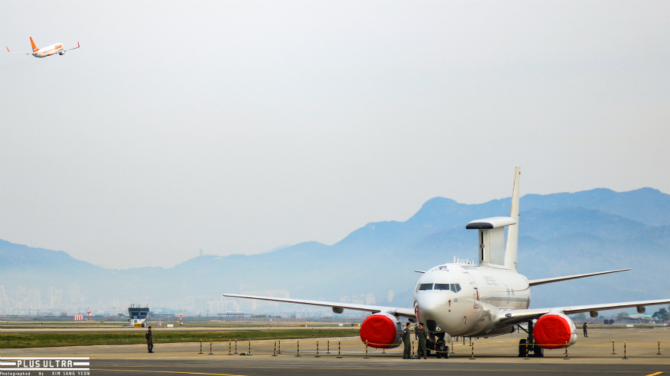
[[46, 51], [466, 300]]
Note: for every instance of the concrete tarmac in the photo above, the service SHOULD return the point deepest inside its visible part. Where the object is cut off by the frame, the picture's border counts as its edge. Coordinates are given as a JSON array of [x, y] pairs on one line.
[[498, 355], [263, 366]]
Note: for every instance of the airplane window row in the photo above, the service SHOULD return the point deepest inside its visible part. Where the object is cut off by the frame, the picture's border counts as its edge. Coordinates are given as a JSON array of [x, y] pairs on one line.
[[455, 287]]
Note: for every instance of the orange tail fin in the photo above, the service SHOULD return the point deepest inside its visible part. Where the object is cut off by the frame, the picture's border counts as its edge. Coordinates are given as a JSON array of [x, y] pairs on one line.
[[33, 44]]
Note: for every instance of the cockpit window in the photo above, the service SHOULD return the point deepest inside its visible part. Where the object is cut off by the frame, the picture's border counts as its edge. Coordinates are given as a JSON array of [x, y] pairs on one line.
[[426, 286], [455, 287], [442, 286]]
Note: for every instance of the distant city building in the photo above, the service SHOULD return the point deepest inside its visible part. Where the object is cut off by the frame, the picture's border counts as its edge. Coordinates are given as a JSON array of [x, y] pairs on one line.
[[234, 315]]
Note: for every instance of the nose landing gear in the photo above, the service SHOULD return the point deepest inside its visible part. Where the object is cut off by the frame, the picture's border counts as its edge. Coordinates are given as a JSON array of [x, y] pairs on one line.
[[441, 349], [438, 345]]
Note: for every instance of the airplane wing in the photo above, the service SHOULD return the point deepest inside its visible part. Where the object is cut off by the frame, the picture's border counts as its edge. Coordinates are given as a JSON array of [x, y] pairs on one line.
[[337, 307], [520, 315], [73, 48], [536, 282], [24, 53]]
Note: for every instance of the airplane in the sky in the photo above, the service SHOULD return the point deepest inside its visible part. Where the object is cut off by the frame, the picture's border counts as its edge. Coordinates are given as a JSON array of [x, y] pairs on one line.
[[46, 51], [486, 299]]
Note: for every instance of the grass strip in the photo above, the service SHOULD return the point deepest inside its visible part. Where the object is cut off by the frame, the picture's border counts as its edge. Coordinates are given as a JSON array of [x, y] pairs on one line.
[[26, 340]]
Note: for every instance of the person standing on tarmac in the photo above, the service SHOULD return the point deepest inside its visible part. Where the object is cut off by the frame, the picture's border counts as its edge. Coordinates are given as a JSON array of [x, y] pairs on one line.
[[585, 329], [422, 343], [406, 340], [150, 341]]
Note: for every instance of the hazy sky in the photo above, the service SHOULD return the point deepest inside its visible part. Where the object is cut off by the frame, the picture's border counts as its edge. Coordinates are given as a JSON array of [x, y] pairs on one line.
[[239, 126]]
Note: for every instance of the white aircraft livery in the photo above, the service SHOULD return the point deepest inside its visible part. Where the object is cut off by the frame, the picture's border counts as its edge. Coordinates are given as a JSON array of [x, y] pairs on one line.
[[485, 299], [46, 51]]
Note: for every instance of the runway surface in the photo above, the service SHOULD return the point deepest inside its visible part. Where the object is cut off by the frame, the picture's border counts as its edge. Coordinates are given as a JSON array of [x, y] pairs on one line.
[[263, 366], [591, 356]]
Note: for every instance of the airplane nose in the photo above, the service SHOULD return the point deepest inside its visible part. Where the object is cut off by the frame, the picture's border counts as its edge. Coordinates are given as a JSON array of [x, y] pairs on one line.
[[431, 307], [427, 303]]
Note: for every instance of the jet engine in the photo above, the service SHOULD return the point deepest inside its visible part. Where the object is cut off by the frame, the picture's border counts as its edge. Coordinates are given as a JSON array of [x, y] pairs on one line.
[[61, 53], [555, 330], [381, 331]]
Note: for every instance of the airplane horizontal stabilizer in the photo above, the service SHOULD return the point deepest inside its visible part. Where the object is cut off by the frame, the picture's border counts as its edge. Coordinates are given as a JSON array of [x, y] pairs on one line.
[[536, 282]]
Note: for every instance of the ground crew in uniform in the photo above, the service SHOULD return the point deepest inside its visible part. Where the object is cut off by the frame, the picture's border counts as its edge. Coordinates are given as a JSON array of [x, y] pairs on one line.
[[585, 329], [150, 341], [407, 341], [422, 342]]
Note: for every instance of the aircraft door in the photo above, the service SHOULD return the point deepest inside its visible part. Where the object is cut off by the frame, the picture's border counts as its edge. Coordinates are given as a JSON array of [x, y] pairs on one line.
[[475, 294]]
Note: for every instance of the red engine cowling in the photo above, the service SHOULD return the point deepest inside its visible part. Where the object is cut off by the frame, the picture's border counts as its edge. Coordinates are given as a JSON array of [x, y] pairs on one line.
[[381, 331], [555, 330]]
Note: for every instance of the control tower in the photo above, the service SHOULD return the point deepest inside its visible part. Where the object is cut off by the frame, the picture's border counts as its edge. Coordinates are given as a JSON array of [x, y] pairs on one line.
[[139, 316]]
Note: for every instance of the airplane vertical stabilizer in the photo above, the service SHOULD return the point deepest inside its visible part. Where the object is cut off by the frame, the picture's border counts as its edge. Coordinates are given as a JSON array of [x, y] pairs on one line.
[[33, 44], [511, 251]]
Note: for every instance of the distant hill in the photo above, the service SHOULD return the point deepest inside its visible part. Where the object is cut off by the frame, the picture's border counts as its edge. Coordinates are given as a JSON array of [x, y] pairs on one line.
[[561, 234], [20, 257]]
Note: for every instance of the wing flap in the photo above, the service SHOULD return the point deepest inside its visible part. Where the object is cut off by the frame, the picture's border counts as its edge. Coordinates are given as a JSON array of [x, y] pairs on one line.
[[404, 312]]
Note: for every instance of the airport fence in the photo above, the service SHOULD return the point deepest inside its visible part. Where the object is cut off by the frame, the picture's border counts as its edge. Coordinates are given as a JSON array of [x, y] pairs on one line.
[[354, 347]]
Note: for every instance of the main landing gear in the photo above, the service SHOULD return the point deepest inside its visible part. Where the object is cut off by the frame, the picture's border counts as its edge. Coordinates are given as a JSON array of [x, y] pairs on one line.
[[533, 348]]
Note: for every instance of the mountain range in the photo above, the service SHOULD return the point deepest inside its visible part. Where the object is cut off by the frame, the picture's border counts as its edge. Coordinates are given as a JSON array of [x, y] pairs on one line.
[[560, 234]]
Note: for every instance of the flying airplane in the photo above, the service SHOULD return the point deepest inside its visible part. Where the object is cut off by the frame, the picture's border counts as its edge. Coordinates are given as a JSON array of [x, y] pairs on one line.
[[46, 51], [486, 299]]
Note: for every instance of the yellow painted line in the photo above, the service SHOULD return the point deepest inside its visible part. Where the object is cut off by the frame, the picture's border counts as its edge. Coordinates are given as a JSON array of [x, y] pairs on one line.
[[187, 373], [654, 374]]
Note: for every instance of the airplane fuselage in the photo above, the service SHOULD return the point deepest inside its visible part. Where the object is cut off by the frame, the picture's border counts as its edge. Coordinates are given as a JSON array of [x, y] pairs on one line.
[[48, 51], [475, 297]]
